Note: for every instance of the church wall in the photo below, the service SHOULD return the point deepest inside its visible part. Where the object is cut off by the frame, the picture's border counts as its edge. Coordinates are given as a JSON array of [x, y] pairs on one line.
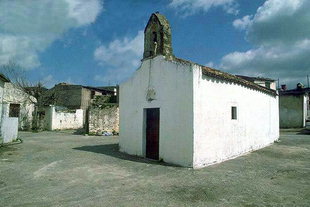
[[172, 83], [218, 137]]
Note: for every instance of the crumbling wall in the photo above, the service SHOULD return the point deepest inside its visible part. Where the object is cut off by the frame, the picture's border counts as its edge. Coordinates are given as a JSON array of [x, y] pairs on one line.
[[61, 119], [104, 118], [15, 95]]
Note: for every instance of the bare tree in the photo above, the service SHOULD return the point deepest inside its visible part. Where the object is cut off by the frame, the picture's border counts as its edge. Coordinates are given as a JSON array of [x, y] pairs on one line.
[[18, 77]]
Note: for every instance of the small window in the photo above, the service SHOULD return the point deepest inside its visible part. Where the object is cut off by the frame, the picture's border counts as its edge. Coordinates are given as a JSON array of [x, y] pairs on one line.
[[234, 112], [14, 110]]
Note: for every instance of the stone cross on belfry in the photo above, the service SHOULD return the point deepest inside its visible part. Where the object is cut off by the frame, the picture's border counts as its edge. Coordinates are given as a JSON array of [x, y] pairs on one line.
[[157, 37]]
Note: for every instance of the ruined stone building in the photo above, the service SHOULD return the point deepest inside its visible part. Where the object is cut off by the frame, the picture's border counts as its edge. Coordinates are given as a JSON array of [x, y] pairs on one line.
[[8, 119], [18, 103], [188, 114], [294, 107]]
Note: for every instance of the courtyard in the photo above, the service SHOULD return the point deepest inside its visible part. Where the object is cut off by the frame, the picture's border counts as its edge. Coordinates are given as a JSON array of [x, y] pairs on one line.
[[64, 169]]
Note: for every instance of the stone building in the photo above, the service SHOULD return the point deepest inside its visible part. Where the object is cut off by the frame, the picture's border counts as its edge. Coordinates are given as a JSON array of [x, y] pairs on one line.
[[18, 103], [188, 114], [294, 107], [8, 125]]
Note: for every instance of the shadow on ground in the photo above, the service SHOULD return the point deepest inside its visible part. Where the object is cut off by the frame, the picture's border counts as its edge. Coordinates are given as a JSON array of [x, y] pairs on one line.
[[113, 151], [304, 132]]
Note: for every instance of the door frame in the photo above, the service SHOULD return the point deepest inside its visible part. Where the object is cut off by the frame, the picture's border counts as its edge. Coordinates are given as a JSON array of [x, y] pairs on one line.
[[144, 132]]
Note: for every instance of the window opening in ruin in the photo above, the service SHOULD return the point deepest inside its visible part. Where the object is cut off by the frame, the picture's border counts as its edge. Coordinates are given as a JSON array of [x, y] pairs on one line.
[[14, 110]]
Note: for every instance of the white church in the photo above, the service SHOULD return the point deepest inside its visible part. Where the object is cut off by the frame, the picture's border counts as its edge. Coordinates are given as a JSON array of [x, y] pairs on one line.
[[191, 115]]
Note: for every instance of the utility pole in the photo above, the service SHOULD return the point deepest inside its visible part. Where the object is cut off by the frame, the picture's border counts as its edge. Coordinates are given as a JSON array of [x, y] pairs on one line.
[[308, 80], [279, 83]]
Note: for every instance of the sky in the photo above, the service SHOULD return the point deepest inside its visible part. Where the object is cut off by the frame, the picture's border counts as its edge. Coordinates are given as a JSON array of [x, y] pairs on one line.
[[100, 42]]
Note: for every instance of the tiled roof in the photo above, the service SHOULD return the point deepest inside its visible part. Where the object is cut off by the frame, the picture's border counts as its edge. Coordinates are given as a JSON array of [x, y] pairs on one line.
[[3, 78], [249, 78], [227, 77]]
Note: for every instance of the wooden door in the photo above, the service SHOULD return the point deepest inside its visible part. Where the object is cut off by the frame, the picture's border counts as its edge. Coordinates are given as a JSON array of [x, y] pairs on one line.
[[152, 133]]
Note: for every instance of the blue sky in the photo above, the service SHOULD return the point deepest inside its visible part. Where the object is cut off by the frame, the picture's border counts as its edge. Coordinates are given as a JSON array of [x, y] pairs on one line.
[[100, 42]]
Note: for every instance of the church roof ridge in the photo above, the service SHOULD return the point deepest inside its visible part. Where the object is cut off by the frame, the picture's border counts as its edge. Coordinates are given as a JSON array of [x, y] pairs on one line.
[[226, 76]]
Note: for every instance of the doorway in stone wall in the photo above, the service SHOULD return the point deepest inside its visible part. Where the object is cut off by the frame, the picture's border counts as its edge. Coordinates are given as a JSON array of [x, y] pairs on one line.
[[14, 110]]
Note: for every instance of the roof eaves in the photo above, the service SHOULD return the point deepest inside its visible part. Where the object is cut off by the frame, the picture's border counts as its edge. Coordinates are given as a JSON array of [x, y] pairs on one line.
[[228, 77], [4, 78]]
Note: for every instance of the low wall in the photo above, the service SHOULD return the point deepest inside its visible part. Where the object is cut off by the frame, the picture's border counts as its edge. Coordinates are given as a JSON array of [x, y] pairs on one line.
[[9, 129], [103, 119], [63, 119]]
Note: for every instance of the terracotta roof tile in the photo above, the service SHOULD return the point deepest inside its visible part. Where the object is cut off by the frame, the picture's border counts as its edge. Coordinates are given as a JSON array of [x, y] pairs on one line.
[[227, 77]]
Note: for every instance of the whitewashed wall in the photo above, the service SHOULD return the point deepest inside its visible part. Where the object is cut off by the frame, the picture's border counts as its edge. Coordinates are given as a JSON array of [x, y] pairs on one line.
[[1, 99], [9, 129], [305, 109], [58, 120], [216, 136], [172, 83]]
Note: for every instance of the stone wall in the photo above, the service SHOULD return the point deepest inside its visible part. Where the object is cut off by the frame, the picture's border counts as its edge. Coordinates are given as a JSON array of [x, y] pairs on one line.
[[291, 111], [103, 119]]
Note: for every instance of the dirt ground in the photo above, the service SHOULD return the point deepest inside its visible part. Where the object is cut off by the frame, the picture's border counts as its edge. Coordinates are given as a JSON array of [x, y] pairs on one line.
[[62, 169]]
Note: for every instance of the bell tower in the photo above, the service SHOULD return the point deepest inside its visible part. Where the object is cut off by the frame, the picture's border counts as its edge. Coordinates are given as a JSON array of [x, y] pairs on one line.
[[157, 37]]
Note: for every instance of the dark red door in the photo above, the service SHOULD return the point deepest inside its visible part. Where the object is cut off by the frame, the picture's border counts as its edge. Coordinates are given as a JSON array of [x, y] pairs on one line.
[[152, 133]]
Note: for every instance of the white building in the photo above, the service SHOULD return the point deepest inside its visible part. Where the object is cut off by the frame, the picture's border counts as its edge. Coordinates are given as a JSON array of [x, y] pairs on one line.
[[3, 80], [191, 115]]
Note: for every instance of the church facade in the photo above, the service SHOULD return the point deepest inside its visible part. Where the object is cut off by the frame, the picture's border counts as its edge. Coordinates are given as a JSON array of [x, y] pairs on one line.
[[188, 114]]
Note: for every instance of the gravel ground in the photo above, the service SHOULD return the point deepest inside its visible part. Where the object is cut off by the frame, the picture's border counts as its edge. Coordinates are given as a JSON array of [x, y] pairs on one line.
[[63, 169]]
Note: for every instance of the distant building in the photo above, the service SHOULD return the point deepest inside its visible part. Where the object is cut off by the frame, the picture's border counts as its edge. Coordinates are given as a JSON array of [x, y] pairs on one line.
[[73, 96], [69, 100], [294, 107], [188, 114], [265, 82]]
